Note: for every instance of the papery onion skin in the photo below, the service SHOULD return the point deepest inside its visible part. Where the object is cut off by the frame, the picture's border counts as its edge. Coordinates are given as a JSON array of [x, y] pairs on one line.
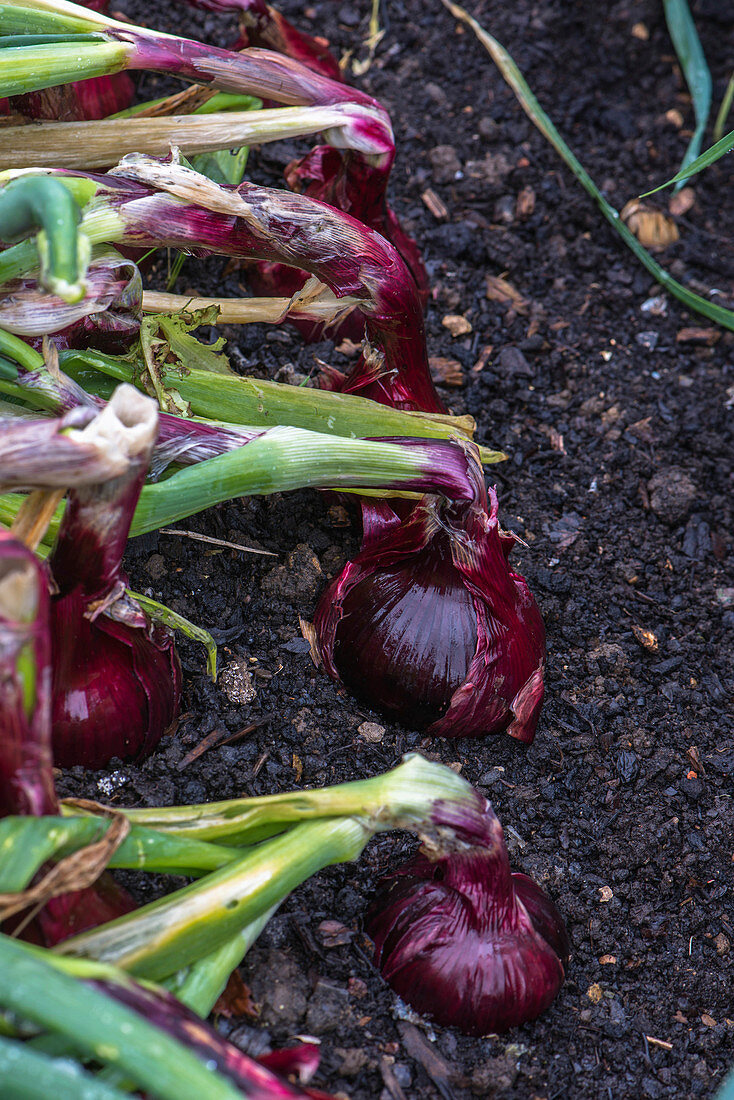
[[467, 943], [429, 624]]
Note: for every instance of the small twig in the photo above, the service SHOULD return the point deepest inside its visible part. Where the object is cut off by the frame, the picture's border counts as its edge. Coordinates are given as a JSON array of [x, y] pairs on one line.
[[217, 542], [220, 737], [659, 1043]]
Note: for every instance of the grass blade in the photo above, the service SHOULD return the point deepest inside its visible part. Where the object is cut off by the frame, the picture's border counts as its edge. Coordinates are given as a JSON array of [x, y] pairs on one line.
[[723, 146], [528, 102], [687, 45]]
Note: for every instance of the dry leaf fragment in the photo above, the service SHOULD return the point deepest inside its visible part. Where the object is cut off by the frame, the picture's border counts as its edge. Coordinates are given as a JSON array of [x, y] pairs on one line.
[[681, 202], [607, 960], [456, 324], [236, 999], [652, 228], [641, 430], [595, 993], [447, 372]]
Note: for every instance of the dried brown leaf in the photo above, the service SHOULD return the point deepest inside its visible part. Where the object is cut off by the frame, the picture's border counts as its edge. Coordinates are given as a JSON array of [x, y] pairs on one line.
[[652, 228]]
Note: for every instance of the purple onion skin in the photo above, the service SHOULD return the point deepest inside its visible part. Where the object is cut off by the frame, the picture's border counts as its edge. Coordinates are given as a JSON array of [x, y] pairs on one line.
[[350, 258], [354, 187], [116, 685], [467, 943], [429, 624], [267, 29], [257, 1080]]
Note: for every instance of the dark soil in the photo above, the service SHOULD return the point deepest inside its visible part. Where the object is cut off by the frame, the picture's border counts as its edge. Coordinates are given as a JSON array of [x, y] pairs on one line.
[[619, 482]]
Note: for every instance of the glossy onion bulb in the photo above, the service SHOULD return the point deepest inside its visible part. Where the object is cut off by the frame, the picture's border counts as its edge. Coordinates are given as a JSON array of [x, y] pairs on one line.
[[467, 943], [429, 624], [116, 676]]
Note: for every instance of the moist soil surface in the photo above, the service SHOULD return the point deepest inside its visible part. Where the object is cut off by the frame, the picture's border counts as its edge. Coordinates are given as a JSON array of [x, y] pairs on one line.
[[612, 402]]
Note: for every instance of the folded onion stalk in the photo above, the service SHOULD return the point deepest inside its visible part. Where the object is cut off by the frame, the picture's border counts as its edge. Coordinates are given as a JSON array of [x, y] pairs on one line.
[[107, 317], [104, 45], [466, 942], [116, 676], [429, 623], [265, 27], [26, 776], [36, 203], [145, 203], [84, 99], [140, 1035]]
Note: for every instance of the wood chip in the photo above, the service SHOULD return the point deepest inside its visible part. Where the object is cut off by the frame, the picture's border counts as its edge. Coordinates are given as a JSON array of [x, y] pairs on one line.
[[483, 359], [456, 324], [525, 204], [447, 372], [640, 32], [708, 1021], [607, 960], [646, 638], [697, 335], [436, 205], [653, 229], [500, 290], [308, 631]]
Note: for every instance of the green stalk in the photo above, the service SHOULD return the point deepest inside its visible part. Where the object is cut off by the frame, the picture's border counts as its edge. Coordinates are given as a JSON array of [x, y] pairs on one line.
[[159, 613], [29, 1075], [158, 939], [536, 114], [104, 1030], [237, 400], [401, 797], [202, 983], [279, 460], [28, 842], [41, 203], [27, 68]]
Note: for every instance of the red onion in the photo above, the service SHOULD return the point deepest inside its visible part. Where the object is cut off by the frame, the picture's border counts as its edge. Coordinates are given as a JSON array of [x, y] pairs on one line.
[[466, 942], [26, 778], [264, 27], [429, 623], [116, 676]]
